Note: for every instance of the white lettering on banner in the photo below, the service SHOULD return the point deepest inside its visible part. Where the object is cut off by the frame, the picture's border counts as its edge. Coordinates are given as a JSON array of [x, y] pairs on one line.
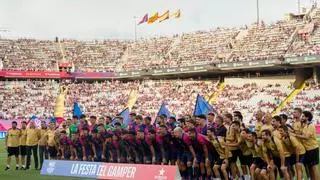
[[292, 59], [309, 58], [74, 169], [84, 169], [101, 170], [171, 70], [161, 175], [222, 65], [51, 167], [123, 74], [253, 63], [198, 68], [184, 69], [51, 74], [121, 171], [93, 170]]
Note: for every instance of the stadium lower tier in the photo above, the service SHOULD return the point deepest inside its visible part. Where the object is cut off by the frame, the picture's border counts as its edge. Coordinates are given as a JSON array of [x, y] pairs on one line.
[[35, 98]]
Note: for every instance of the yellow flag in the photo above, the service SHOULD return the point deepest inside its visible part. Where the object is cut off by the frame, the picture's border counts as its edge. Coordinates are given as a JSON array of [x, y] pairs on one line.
[[132, 98], [59, 106], [177, 14], [164, 16], [153, 18]]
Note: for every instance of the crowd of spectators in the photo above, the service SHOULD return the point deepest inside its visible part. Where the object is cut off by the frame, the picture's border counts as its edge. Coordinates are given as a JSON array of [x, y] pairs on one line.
[[99, 98], [29, 55], [265, 41], [308, 99], [146, 54], [178, 95], [23, 99], [249, 97], [203, 47], [284, 38], [93, 56]]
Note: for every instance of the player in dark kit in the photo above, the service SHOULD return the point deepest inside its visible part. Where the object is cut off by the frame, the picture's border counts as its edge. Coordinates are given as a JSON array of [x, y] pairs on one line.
[[164, 140], [152, 141], [65, 146], [97, 145], [186, 155], [199, 143], [76, 147], [86, 142]]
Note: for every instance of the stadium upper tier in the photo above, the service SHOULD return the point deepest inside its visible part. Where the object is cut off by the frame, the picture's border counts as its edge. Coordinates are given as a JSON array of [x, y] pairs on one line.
[[286, 38], [24, 99]]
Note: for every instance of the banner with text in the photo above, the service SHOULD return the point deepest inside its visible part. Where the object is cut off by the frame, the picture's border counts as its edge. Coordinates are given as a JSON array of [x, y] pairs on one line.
[[115, 171], [303, 59], [34, 74]]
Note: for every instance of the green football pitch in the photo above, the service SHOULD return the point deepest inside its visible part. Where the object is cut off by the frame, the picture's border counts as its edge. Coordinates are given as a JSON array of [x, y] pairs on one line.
[[32, 174]]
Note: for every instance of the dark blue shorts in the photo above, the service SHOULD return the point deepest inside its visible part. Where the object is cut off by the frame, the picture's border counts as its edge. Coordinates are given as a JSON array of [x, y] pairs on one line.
[[185, 156], [13, 151], [158, 156], [261, 164], [219, 161], [173, 155], [235, 155], [98, 154], [88, 152], [311, 157], [246, 160], [149, 156], [67, 155], [277, 162], [167, 155], [200, 157], [52, 151], [293, 159]]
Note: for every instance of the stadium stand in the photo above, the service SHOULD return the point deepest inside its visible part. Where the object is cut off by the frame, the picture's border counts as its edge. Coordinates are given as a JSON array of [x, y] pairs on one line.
[[24, 99], [30, 55], [308, 99], [286, 38], [248, 95], [94, 56]]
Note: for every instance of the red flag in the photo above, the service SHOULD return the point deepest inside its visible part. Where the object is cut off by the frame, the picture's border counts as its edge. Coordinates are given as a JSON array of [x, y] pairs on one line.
[[144, 19]]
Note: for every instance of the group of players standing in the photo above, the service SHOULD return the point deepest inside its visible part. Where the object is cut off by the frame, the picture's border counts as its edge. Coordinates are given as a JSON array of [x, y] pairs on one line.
[[203, 147]]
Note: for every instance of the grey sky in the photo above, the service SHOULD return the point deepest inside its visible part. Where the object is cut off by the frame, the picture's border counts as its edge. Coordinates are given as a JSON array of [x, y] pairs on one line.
[[101, 19]]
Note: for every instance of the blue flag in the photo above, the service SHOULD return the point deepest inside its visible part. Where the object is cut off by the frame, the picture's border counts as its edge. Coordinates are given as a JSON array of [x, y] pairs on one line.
[[202, 106], [125, 114], [163, 111], [36, 120], [76, 110]]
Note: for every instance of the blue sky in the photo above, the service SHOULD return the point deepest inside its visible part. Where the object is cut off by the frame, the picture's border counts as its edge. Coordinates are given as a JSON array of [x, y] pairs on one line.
[[105, 19]]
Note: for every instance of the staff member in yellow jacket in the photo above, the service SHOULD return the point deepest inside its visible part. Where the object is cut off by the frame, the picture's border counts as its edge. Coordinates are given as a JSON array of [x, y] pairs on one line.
[[33, 137], [12, 144], [23, 145], [276, 154], [307, 137], [43, 152]]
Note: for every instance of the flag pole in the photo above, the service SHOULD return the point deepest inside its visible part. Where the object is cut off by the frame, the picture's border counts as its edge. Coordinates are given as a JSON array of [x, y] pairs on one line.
[[135, 27]]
